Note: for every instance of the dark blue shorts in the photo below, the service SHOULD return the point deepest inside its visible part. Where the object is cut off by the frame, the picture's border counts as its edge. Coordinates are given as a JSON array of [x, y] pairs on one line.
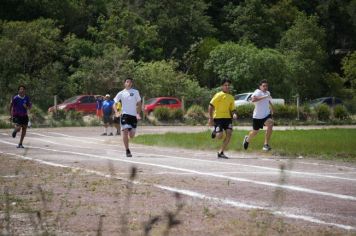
[[20, 120]]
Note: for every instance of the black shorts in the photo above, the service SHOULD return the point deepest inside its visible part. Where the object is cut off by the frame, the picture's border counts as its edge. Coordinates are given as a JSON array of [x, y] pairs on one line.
[[222, 124], [107, 119], [128, 122], [20, 120], [117, 120], [258, 124]]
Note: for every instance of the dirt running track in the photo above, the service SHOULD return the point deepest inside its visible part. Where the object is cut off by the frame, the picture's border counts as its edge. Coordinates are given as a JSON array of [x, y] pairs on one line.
[[308, 195]]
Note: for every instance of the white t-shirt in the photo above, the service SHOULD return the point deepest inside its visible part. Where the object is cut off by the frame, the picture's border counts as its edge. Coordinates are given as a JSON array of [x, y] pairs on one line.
[[129, 99], [262, 109]]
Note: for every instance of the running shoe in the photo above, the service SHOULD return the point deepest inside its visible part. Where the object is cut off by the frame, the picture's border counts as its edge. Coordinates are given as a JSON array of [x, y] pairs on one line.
[[104, 134], [128, 153], [213, 134], [245, 143], [266, 147], [111, 134], [222, 155], [14, 133], [20, 146]]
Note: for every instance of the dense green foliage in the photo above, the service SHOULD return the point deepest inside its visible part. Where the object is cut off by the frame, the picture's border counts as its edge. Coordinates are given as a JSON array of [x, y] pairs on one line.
[[179, 48]]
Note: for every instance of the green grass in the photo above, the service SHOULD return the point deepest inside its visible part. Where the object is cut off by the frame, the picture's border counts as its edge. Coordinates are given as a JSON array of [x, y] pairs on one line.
[[325, 143]]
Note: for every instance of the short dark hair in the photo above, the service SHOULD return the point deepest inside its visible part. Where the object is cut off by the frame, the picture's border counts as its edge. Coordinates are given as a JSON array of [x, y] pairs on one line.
[[21, 86], [128, 78], [225, 80], [264, 81]]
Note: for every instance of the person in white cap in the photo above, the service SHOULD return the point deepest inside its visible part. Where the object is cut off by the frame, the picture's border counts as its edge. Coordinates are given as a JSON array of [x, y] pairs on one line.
[[108, 112]]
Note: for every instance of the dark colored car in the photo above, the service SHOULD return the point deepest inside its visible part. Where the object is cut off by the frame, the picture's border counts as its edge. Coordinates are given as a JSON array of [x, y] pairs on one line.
[[80, 103], [329, 101], [170, 102]]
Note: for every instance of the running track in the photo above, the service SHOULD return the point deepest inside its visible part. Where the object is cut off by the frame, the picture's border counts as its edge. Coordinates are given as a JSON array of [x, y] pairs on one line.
[[314, 192]]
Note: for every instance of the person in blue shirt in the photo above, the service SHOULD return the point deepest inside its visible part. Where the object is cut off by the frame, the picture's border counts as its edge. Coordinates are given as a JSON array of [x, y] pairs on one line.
[[19, 106], [108, 113]]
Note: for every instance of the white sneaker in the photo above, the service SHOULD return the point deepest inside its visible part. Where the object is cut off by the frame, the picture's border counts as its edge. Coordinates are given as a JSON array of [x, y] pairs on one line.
[[266, 147]]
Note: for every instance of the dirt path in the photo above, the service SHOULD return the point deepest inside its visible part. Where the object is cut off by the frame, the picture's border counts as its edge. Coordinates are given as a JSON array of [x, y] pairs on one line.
[[84, 176]]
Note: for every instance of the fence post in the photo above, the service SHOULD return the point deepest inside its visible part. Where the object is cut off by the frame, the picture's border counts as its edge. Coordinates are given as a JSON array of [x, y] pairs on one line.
[[55, 105], [297, 106], [183, 105], [143, 108]]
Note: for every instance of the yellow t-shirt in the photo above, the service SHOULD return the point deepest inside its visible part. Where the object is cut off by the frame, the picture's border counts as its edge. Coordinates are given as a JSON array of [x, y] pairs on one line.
[[223, 104], [118, 106]]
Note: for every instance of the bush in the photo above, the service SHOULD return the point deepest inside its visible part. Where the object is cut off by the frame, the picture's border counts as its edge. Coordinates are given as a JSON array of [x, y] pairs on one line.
[[351, 105], [74, 115], [340, 112], [162, 113], [305, 113], [245, 111], [59, 115], [196, 114], [37, 116], [5, 125], [285, 111], [177, 114], [323, 112]]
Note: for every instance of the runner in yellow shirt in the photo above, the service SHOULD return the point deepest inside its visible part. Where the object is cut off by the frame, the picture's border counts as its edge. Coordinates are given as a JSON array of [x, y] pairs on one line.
[[221, 112]]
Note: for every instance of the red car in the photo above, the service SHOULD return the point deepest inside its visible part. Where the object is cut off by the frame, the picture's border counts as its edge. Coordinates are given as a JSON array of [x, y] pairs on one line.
[[80, 103], [170, 102]]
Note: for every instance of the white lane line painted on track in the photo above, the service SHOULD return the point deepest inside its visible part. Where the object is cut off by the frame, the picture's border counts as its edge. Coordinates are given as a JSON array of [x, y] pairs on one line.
[[276, 170], [197, 195], [70, 136], [273, 185]]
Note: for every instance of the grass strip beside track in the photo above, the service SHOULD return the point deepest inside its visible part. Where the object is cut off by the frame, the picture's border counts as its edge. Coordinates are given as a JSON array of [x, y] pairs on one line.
[[325, 143]]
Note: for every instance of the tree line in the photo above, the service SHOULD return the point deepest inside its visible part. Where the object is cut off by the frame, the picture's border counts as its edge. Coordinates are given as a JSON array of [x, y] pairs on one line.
[[177, 48]]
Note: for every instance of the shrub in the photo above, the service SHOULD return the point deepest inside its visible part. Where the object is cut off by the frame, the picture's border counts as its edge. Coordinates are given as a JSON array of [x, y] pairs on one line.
[[5, 125], [305, 113], [162, 113], [322, 112], [340, 112], [37, 116], [245, 111], [59, 115], [351, 105], [196, 114], [285, 111], [74, 115], [176, 114]]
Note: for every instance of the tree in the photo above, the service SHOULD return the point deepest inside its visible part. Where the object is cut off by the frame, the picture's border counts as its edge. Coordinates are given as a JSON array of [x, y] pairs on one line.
[[103, 74], [180, 23], [250, 21], [349, 69], [31, 57], [304, 48], [194, 61], [125, 28], [74, 15], [161, 78], [246, 65]]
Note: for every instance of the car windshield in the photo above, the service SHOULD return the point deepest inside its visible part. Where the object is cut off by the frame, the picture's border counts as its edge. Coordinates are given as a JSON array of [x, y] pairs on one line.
[[241, 96], [316, 100], [72, 99], [150, 101]]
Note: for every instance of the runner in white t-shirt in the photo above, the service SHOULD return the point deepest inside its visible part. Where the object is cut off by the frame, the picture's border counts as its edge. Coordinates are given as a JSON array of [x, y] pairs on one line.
[[130, 112], [262, 115]]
